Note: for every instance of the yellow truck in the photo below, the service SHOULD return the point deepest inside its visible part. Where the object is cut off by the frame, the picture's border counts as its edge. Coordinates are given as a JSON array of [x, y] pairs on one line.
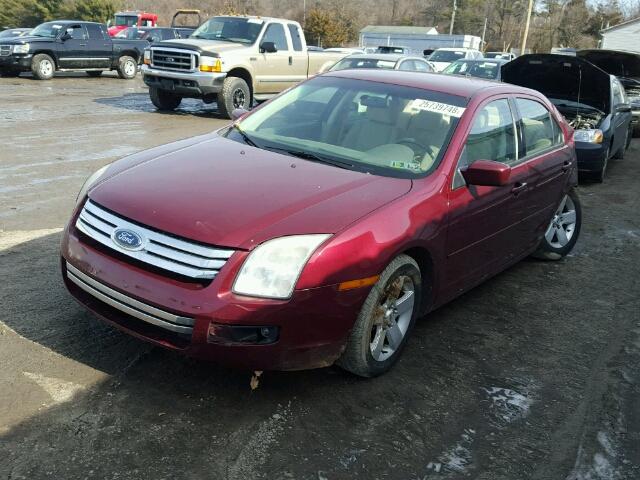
[[231, 60]]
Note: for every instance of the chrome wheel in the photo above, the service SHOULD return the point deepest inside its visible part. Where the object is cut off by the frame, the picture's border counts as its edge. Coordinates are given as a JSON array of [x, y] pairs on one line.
[[130, 68], [563, 224], [392, 318], [46, 68], [239, 98]]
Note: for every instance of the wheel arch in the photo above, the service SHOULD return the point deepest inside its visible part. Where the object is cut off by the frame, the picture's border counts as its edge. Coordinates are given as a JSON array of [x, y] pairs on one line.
[[423, 258], [244, 74], [51, 53], [129, 53]]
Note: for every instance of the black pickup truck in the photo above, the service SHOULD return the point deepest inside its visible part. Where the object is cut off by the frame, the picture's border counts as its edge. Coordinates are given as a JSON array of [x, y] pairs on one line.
[[70, 46]]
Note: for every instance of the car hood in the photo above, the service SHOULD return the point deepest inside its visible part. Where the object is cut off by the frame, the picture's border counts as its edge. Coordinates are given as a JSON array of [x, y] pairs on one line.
[[624, 65], [212, 46], [217, 191], [561, 77], [26, 39]]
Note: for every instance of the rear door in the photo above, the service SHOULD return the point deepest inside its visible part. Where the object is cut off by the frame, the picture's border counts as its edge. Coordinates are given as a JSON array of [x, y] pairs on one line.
[[98, 50], [298, 56], [479, 236]]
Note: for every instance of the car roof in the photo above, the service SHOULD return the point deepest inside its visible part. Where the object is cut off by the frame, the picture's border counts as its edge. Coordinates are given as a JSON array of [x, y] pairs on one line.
[[461, 86], [455, 49], [393, 57], [481, 60]]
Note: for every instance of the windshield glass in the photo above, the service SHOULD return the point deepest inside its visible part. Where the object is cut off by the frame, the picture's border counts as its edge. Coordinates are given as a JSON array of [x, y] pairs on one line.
[[126, 20], [489, 70], [372, 127], [231, 29], [50, 29], [363, 63], [446, 56]]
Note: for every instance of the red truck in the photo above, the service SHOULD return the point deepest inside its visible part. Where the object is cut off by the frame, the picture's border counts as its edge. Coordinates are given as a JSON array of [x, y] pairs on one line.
[[124, 20]]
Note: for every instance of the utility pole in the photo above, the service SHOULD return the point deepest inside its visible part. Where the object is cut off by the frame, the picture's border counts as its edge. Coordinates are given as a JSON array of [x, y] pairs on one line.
[[453, 17], [484, 31], [304, 13], [523, 45]]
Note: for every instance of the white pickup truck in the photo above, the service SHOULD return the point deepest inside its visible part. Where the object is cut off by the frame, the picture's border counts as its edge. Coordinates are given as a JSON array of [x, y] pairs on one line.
[[232, 61]]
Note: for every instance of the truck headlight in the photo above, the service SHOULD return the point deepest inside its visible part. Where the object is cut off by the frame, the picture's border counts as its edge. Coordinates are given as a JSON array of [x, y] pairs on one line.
[[21, 48], [588, 136], [89, 182], [210, 64], [273, 268], [147, 57]]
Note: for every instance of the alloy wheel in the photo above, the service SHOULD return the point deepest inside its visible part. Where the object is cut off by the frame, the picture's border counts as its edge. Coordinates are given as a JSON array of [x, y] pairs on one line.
[[563, 224], [46, 68], [239, 98], [392, 318], [130, 68]]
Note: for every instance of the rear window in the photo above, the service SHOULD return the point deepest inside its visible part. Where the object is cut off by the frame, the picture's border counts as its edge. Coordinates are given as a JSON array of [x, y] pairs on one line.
[[350, 63], [294, 31]]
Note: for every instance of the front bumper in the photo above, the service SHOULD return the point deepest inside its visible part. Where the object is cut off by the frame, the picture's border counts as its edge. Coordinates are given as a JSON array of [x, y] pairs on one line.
[[186, 84], [313, 325], [16, 62], [590, 156]]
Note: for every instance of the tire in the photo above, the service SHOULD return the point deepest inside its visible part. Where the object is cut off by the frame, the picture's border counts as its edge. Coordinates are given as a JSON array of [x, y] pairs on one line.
[[163, 100], [235, 93], [630, 136], [43, 66], [127, 67], [598, 176], [94, 73], [619, 155], [371, 348], [568, 219], [635, 130]]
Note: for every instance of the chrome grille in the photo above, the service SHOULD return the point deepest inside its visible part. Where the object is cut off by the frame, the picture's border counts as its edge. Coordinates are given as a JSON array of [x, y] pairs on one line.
[[160, 250], [5, 50], [131, 306], [174, 59]]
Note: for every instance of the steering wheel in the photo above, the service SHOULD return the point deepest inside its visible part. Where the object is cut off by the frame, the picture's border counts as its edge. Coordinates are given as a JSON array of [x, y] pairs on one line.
[[422, 148]]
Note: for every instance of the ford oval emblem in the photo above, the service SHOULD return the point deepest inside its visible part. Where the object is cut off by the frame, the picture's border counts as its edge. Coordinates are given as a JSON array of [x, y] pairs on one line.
[[127, 239]]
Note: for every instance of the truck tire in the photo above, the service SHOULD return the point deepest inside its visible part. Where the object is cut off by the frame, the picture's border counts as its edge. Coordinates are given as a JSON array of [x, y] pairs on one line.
[[164, 100], [94, 73], [235, 94], [127, 67], [43, 66]]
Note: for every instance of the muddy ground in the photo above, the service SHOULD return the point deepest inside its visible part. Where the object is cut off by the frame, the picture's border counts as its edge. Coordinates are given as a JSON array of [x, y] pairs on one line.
[[533, 375]]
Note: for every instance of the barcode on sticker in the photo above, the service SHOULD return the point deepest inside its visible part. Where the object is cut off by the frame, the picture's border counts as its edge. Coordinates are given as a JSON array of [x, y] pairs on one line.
[[436, 107]]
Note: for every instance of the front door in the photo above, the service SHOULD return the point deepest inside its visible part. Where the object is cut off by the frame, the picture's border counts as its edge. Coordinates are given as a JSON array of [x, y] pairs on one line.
[[479, 239], [272, 67], [73, 54]]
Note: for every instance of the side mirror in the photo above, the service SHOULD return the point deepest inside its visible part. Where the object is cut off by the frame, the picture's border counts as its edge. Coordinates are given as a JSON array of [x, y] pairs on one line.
[[268, 47], [238, 112], [487, 173], [623, 108], [65, 36]]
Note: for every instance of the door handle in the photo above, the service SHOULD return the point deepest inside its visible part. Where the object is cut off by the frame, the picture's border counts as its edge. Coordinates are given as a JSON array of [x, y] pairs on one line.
[[83, 44], [519, 187], [566, 165], [290, 60]]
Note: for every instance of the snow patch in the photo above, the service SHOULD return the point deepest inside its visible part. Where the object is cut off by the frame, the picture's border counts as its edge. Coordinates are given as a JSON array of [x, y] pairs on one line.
[[457, 458], [509, 405], [59, 390]]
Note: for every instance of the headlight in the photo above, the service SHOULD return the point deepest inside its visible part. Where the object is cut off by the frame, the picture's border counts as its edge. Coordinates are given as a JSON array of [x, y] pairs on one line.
[[588, 136], [210, 64], [93, 178], [147, 57], [272, 269], [21, 48]]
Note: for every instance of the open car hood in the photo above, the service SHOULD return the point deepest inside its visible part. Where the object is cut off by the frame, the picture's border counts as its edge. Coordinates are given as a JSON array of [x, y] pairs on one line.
[[624, 65], [561, 77]]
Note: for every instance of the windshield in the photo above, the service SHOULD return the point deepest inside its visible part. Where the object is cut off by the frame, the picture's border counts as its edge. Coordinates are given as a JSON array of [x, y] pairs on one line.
[[50, 29], [371, 127], [231, 29], [490, 70], [363, 63], [126, 20], [446, 56], [11, 33]]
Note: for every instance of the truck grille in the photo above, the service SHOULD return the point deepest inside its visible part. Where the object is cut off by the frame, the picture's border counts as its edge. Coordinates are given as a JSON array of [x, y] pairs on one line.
[[5, 50], [173, 59], [160, 250]]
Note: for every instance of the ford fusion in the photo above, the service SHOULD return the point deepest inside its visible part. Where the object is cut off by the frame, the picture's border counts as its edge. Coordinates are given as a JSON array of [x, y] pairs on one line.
[[317, 228]]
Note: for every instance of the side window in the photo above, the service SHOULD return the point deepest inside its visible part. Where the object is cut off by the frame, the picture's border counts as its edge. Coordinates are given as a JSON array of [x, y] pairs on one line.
[[77, 32], [407, 65], [492, 137], [168, 34], [294, 31], [539, 129], [421, 66], [95, 32], [618, 95], [275, 34]]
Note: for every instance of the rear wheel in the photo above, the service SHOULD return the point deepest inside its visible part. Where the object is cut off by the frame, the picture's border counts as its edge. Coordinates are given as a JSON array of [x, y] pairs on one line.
[[564, 228], [94, 73], [235, 93], [164, 100], [385, 320], [43, 67], [619, 155], [598, 176], [127, 67]]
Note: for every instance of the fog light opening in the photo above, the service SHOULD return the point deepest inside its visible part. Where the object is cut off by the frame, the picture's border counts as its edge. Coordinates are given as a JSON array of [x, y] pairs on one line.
[[242, 334]]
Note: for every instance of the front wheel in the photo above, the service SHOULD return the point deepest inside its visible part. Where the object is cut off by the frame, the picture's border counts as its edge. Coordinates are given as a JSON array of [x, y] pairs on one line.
[[43, 67], [127, 67], [385, 320], [235, 93], [563, 230], [164, 100]]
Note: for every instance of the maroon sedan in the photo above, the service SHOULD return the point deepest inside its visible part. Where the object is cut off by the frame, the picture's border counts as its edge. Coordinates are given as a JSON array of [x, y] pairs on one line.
[[317, 228]]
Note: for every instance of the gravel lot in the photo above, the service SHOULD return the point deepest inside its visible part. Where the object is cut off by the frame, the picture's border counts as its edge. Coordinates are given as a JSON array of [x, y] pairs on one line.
[[533, 375]]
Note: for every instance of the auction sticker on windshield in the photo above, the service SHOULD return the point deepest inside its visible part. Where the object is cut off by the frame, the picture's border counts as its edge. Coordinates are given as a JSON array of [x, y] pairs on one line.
[[420, 104]]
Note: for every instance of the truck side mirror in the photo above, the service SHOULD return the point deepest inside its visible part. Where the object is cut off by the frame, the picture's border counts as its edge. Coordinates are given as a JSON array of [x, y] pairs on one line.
[[268, 47]]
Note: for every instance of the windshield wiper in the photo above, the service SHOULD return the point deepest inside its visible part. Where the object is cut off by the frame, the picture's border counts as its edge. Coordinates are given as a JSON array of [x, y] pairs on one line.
[[314, 157], [247, 139]]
